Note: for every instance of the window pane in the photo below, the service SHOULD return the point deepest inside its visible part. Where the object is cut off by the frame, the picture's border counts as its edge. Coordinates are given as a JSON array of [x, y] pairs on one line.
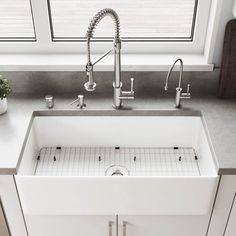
[[166, 19], [16, 20]]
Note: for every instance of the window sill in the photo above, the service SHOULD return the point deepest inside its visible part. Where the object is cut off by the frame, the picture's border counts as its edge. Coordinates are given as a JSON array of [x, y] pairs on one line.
[[74, 62]]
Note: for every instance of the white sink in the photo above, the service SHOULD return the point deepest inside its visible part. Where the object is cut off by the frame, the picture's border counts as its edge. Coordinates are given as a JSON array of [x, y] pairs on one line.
[[167, 155]]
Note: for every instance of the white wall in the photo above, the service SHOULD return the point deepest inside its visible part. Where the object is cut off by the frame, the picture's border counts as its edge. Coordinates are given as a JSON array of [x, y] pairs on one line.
[[234, 8]]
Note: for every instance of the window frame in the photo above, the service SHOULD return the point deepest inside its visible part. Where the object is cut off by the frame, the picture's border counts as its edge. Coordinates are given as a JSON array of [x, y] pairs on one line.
[[125, 39], [22, 39], [44, 43], [45, 46]]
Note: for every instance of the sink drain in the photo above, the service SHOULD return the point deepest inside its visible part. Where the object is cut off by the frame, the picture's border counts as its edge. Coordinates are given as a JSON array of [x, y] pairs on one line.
[[116, 170]]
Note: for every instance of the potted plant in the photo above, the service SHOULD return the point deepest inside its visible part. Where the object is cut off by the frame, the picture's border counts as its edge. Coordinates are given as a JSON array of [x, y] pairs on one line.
[[4, 91]]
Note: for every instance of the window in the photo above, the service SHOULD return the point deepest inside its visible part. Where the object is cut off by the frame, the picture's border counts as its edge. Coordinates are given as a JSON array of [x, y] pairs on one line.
[[159, 27], [156, 20], [16, 22]]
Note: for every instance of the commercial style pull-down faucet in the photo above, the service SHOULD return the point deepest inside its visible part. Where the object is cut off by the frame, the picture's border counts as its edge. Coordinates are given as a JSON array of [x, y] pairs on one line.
[[119, 95], [179, 94]]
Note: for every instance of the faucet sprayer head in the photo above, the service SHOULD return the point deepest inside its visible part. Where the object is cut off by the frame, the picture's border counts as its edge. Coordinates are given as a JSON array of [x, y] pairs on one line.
[[90, 85]]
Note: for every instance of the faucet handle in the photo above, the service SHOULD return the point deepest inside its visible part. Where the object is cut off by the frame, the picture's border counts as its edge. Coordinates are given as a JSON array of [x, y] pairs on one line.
[[80, 101], [187, 94], [128, 94], [188, 89], [132, 85]]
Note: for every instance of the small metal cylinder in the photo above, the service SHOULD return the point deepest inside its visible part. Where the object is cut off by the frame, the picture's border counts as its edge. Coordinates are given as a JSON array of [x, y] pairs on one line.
[[117, 102], [178, 97], [49, 101], [81, 101]]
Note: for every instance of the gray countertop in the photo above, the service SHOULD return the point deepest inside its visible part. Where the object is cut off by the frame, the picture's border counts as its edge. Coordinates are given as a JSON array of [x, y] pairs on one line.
[[220, 116]]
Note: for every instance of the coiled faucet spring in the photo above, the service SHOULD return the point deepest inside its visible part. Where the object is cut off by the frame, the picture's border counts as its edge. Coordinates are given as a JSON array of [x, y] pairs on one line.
[[95, 21]]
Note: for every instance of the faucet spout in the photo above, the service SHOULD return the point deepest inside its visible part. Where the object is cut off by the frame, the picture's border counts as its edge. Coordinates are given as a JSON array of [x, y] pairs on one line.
[[180, 73], [179, 95], [117, 84]]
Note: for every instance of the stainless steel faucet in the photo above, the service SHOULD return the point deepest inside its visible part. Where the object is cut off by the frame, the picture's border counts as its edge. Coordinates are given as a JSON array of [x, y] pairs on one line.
[[179, 94], [119, 95]]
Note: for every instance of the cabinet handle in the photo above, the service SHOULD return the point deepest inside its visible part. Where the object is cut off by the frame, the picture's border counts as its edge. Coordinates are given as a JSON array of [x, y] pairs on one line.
[[124, 228], [110, 228]]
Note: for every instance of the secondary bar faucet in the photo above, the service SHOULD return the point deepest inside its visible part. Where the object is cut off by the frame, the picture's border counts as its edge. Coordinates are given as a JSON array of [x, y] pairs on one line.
[[179, 94], [119, 95]]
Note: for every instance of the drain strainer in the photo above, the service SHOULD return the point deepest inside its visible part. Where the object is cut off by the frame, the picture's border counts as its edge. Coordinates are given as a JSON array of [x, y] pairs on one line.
[[116, 170]]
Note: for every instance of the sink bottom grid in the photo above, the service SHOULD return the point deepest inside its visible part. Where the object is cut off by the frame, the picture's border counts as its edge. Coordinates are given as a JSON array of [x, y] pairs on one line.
[[117, 161]]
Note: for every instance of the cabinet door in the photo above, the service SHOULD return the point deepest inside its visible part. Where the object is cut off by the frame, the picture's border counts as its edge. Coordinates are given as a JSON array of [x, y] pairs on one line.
[[70, 225], [163, 225], [4, 231], [231, 227], [223, 217], [11, 206]]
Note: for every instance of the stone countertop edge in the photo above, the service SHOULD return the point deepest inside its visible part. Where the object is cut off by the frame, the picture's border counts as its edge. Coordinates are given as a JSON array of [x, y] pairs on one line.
[[215, 112]]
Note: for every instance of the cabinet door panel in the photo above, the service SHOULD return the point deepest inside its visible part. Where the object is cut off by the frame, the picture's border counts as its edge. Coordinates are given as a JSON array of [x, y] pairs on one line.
[[3, 224], [163, 225], [70, 225], [11, 206], [221, 212], [231, 227]]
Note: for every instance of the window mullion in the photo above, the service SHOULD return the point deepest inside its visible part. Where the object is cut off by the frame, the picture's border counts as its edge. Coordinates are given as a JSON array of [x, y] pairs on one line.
[[41, 23]]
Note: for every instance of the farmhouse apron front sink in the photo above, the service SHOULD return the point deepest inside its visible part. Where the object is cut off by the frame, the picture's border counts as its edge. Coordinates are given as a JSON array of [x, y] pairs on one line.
[[117, 162]]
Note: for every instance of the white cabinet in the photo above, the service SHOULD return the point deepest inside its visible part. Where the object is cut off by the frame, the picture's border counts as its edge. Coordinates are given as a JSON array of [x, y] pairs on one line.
[[163, 225], [107, 225], [71, 225], [4, 231], [11, 206], [223, 220], [231, 226]]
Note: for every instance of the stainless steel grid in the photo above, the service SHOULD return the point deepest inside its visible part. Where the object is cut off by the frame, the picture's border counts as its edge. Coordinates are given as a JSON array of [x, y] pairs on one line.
[[94, 161]]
